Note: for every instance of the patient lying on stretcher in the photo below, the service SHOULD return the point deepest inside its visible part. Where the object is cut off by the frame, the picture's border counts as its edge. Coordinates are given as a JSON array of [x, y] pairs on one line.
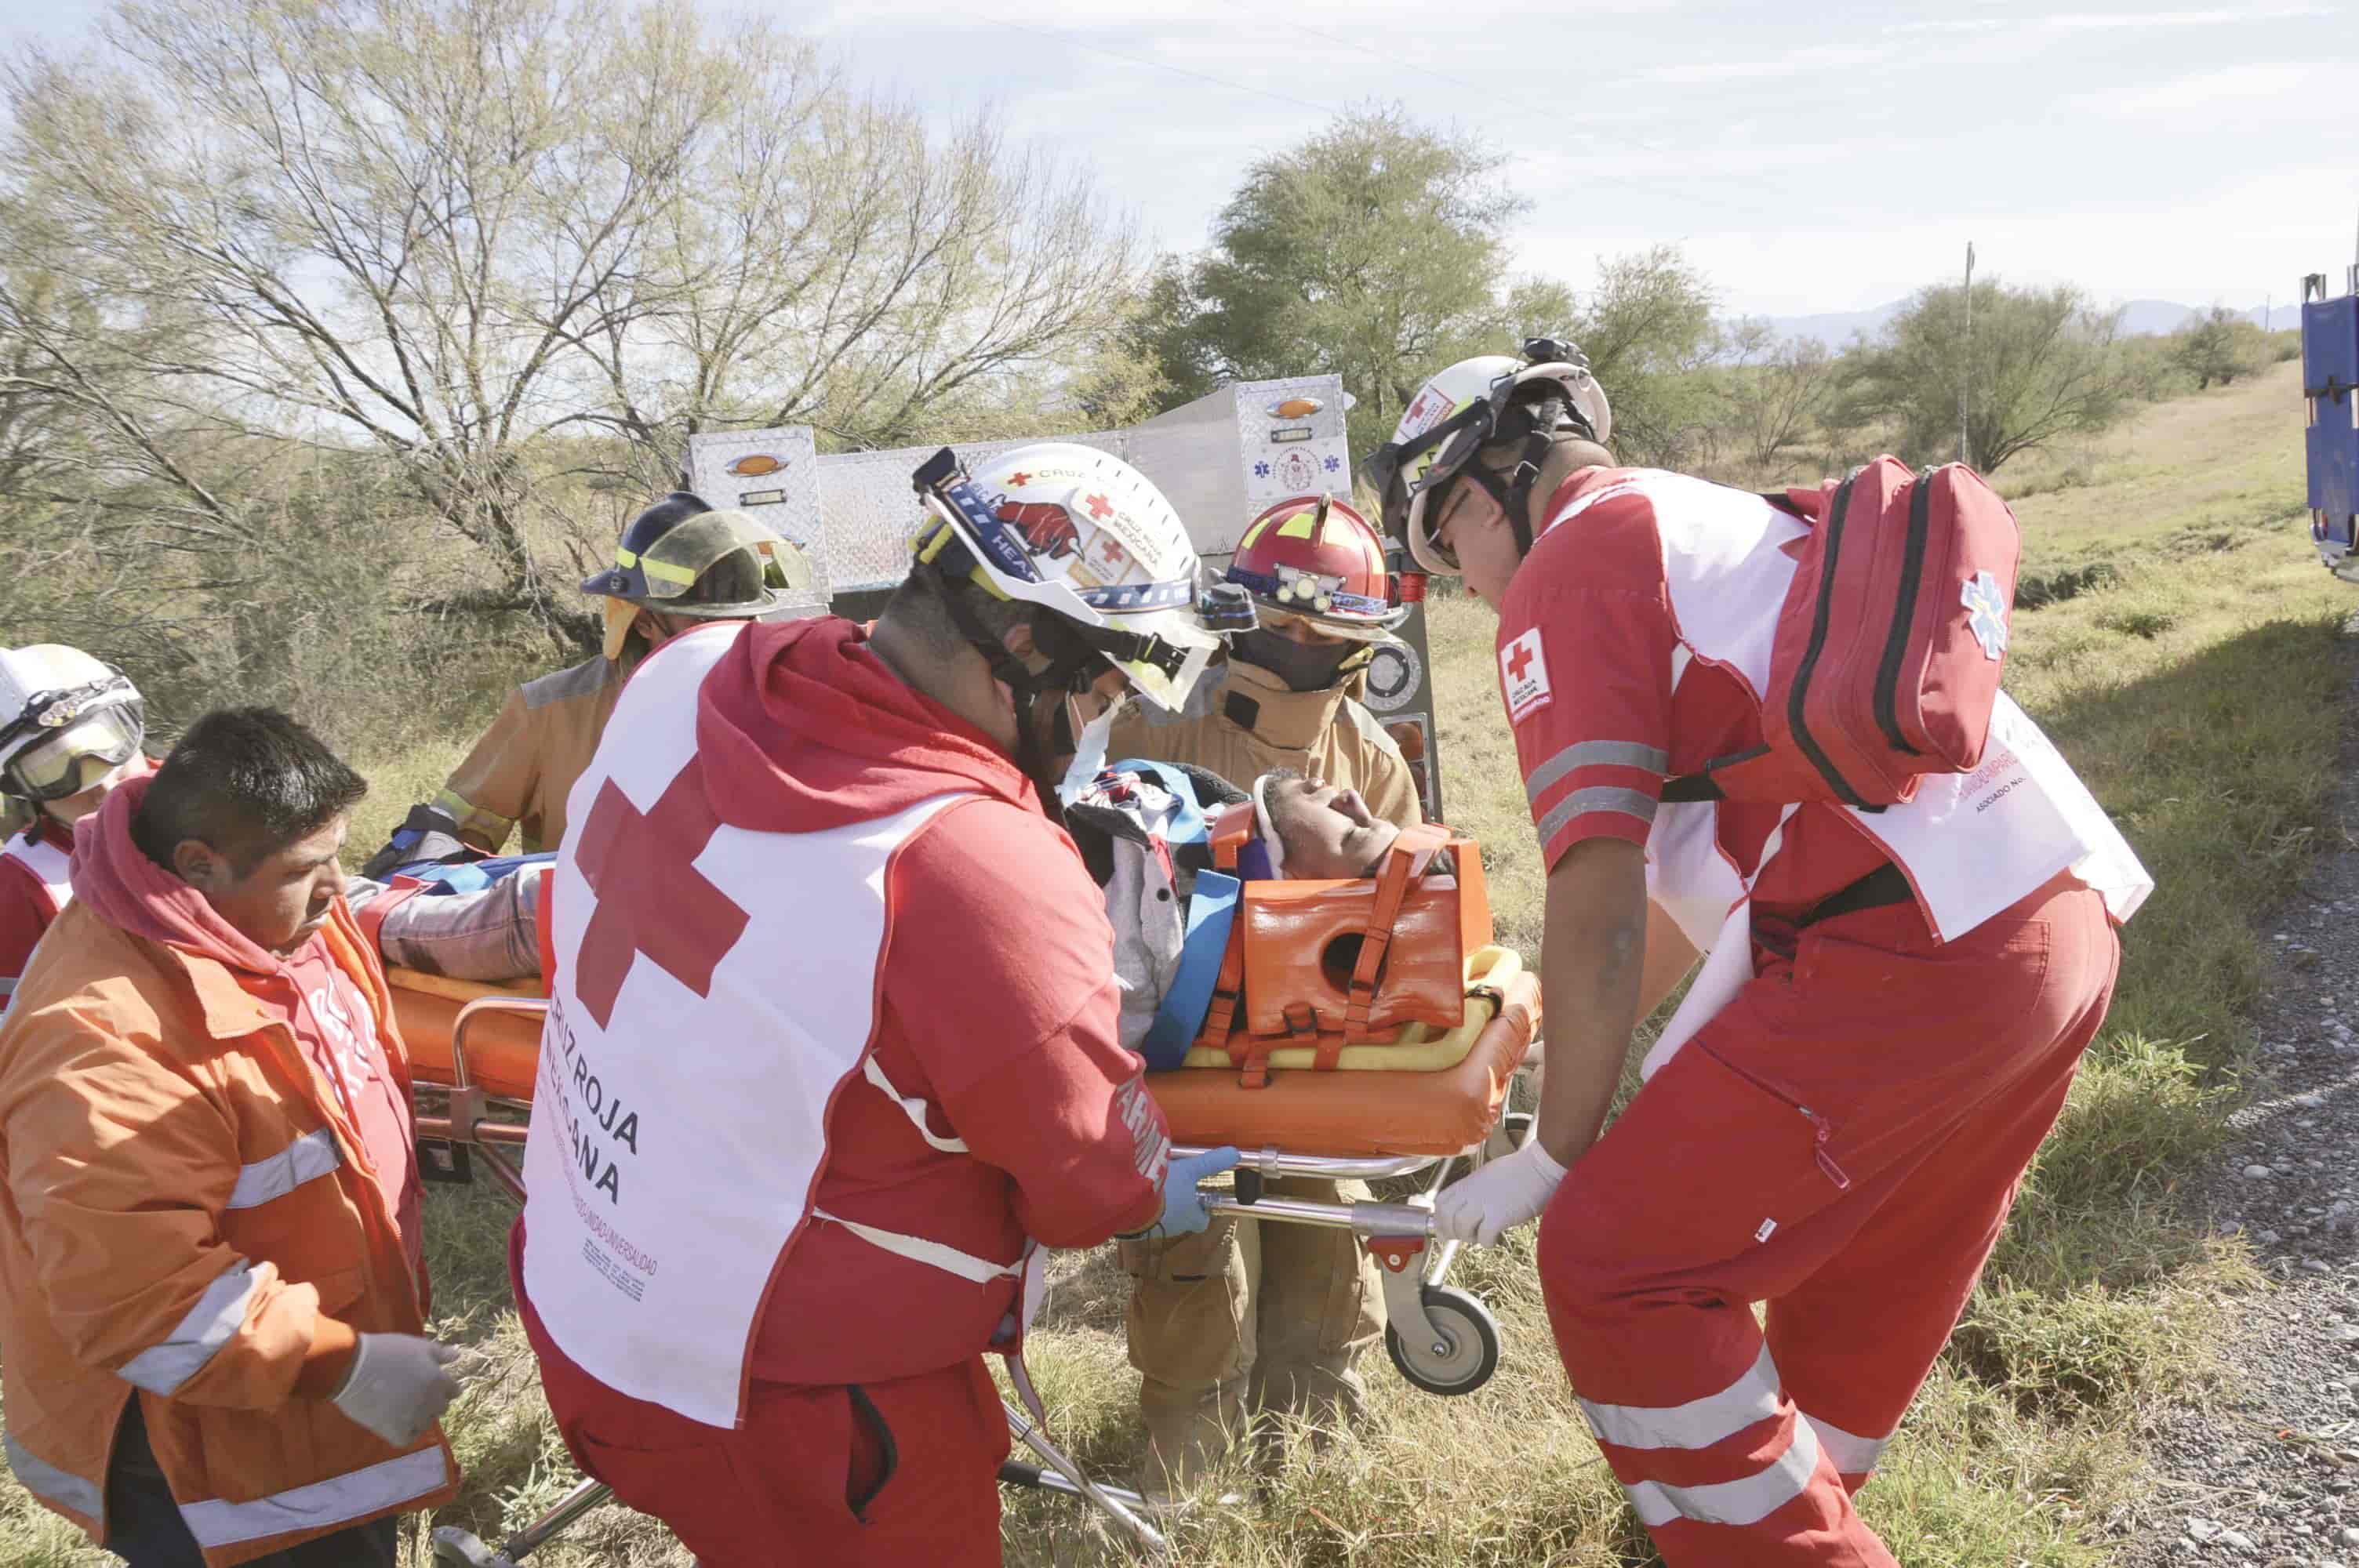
[[1141, 828], [435, 906]]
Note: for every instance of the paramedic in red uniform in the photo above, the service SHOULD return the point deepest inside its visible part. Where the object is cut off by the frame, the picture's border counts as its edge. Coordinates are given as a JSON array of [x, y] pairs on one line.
[[832, 1050], [1836, 1121], [71, 730], [70, 733]]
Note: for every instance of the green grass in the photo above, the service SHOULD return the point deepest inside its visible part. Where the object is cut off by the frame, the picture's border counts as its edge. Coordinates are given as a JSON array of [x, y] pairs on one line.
[[2185, 652]]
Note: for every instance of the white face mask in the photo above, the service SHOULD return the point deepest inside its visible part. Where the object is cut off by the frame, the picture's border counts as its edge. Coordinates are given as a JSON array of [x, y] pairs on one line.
[[1089, 755]]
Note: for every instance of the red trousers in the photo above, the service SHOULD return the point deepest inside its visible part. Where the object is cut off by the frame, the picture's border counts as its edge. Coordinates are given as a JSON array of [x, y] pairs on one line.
[[1842, 1140], [891, 1475]]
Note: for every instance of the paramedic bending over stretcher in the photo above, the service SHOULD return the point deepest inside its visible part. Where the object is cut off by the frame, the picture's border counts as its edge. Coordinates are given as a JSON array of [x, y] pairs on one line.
[[831, 1044], [1843, 1134]]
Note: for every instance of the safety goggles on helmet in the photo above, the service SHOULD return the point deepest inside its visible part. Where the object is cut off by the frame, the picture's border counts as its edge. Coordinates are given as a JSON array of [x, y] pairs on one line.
[[63, 742], [1030, 550]]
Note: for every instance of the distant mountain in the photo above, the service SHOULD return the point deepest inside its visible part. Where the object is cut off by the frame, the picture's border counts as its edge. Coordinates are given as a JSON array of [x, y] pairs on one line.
[[2140, 317], [1835, 330], [2153, 318]]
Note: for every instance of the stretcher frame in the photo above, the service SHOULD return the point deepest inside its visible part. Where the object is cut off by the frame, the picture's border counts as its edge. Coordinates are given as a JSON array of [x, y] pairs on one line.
[[1441, 1338]]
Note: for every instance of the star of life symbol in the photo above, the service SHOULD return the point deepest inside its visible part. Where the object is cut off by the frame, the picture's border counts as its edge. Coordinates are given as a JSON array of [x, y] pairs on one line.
[[1986, 614]]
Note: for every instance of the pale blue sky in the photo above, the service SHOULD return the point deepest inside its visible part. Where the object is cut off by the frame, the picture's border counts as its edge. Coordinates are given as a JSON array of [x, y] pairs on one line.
[[1807, 162]]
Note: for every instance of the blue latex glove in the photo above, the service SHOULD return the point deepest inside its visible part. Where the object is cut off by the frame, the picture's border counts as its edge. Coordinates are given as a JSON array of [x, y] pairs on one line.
[[1183, 1205]]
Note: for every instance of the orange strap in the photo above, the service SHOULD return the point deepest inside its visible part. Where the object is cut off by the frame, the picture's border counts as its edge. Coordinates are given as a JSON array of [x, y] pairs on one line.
[[1392, 887], [1221, 1019], [1230, 831]]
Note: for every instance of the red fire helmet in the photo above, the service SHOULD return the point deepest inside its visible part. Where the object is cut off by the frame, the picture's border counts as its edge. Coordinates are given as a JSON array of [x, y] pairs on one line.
[[1315, 557]]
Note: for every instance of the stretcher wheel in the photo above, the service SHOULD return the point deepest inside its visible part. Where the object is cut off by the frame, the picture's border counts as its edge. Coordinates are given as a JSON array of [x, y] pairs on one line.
[[1466, 1351]]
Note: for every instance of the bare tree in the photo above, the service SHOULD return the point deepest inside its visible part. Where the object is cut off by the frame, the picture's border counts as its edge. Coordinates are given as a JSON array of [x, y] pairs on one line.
[[482, 239], [823, 262]]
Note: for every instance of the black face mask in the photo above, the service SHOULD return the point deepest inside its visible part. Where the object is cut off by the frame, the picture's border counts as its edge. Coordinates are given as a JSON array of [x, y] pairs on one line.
[[1303, 667]]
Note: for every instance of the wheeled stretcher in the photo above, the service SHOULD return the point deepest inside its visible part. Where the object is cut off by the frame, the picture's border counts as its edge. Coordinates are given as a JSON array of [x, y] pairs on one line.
[[1374, 1069]]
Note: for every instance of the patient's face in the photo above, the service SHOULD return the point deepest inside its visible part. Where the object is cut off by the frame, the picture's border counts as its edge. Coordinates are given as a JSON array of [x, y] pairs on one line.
[[1327, 832]]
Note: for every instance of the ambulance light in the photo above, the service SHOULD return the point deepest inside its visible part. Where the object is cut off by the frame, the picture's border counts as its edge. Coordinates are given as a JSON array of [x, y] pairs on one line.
[[1292, 433]]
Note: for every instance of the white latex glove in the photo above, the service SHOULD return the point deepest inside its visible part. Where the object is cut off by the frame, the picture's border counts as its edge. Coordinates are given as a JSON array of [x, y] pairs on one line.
[[399, 1385], [1500, 1197]]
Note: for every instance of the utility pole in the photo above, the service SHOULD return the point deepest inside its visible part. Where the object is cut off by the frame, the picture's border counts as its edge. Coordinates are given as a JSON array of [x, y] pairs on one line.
[[1965, 358]]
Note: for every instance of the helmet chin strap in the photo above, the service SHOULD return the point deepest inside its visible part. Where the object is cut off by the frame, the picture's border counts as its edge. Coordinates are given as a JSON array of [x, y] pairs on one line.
[[1066, 667], [1538, 423], [1513, 494]]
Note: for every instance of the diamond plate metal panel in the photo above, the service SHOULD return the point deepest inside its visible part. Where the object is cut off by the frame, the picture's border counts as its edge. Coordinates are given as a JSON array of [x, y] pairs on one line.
[[1287, 453], [775, 475], [869, 511]]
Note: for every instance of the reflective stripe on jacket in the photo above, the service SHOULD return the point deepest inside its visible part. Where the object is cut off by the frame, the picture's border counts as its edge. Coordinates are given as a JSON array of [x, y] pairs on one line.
[[185, 1198]]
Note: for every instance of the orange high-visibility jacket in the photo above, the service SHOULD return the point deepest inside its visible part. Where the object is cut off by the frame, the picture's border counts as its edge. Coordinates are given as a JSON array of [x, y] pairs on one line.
[[184, 1198]]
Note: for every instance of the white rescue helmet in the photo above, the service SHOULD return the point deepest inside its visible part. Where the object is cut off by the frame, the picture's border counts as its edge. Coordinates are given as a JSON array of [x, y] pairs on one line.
[[1478, 403], [67, 720], [1083, 534]]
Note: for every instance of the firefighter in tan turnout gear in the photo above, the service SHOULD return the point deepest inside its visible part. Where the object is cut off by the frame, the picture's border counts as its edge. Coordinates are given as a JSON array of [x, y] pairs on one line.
[[678, 565], [1248, 1317]]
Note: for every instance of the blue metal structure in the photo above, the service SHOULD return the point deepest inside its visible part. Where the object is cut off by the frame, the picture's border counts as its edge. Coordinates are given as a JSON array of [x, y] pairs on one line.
[[2329, 380]]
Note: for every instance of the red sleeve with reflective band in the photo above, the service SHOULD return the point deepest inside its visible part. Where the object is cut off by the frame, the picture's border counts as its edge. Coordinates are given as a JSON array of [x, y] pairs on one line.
[[1585, 647]]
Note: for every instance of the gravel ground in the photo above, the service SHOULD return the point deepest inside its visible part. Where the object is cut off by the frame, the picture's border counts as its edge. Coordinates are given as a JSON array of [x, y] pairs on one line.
[[2267, 1475]]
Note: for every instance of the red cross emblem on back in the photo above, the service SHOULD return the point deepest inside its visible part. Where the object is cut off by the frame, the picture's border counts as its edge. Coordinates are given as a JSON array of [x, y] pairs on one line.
[[1100, 507], [1520, 662], [652, 900]]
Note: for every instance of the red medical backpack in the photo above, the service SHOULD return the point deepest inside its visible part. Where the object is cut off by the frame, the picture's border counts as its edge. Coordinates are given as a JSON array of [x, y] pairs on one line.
[[1889, 646]]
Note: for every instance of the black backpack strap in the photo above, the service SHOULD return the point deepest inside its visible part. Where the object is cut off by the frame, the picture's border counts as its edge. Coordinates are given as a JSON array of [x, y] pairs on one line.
[[1690, 787], [1703, 786]]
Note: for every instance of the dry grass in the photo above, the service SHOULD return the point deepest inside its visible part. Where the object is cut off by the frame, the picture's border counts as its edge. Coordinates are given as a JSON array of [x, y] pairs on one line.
[[2189, 675]]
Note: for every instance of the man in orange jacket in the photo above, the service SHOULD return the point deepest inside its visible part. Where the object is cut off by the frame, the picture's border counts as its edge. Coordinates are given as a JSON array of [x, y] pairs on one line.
[[211, 1287]]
